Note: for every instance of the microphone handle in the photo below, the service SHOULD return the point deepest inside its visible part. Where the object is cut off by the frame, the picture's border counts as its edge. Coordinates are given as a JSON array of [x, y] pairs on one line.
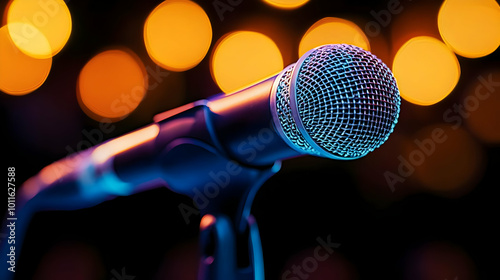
[[229, 140], [238, 127]]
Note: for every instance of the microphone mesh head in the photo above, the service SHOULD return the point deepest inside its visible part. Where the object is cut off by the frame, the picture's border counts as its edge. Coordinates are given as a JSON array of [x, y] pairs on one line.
[[337, 101]]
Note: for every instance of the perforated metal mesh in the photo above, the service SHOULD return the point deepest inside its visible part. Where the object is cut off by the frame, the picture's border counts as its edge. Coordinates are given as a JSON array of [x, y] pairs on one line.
[[346, 102], [285, 113]]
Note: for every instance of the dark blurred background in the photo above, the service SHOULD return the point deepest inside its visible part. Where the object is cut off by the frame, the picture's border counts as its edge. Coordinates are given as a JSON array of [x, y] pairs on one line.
[[438, 221]]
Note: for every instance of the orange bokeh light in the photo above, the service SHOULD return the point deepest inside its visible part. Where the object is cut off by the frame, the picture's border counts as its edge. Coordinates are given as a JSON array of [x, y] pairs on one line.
[[286, 4], [426, 70], [112, 84], [331, 30], [242, 58], [206, 221], [20, 74], [46, 26], [177, 34], [480, 107], [446, 159], [470, 28]]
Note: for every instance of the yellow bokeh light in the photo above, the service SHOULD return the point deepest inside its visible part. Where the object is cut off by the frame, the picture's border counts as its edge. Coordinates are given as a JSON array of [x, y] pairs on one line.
[[426, 70], [286, 4], [331, 30], [19, 73], [47, 21], [242, 58], [177, 34], [112, 84], [35, 45], [470, 28]]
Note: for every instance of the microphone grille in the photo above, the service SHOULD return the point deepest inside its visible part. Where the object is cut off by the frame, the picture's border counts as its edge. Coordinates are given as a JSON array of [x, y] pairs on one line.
[[284, 112], [337, 101]]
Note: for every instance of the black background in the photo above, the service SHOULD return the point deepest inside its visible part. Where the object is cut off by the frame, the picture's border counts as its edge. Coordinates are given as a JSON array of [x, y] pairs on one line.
[[379, 230]]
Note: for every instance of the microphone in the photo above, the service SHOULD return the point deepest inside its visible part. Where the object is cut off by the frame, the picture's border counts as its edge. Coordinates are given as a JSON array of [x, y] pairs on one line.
[[337, 101]]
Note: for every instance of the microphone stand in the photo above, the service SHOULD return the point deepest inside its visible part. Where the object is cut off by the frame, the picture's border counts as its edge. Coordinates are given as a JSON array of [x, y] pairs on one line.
[[230, 241], [229, 237]]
